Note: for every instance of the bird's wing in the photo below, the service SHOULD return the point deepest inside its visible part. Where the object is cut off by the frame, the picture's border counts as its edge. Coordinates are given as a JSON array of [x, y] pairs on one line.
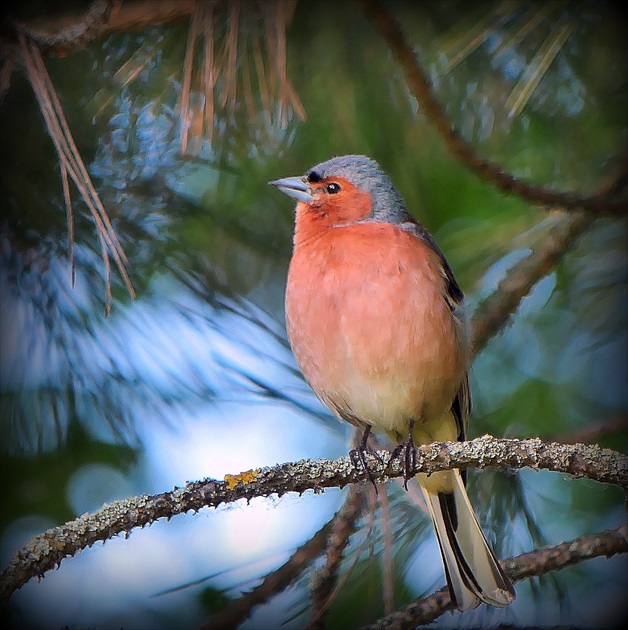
[[453, 295]]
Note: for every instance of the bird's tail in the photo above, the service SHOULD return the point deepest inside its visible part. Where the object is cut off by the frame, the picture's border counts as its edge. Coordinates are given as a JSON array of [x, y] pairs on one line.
[[472, 571]]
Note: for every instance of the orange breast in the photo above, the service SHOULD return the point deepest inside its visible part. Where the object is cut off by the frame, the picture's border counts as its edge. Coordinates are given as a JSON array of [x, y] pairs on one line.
[[369, 327]]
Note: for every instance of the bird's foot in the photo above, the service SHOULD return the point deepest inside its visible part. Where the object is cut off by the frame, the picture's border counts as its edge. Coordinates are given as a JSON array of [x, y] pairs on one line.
[[407, 453], [358, 459], [358, 456]]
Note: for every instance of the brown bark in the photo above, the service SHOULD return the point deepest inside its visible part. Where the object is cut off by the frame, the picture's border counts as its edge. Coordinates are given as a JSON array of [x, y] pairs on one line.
[[45, 551]]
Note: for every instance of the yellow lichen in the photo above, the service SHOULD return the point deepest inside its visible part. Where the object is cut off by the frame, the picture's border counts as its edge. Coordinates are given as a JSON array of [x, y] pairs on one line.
[[248, 476]]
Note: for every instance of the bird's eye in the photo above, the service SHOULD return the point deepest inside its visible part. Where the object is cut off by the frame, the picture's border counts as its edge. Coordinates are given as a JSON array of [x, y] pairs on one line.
[[332, 188]]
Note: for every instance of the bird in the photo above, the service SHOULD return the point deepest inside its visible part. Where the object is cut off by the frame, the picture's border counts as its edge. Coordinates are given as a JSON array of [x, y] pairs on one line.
[[375, 319]]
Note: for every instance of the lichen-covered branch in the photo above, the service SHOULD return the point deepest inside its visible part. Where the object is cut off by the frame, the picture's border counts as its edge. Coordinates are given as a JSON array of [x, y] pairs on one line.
[[421, 88], [47, 550], [532, 563]]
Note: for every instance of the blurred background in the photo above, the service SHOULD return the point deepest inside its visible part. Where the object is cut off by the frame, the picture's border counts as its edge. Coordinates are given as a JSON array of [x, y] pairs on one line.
[[181, 124]]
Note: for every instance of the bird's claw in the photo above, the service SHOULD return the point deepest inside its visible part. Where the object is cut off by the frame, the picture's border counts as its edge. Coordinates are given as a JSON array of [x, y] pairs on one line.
[[358, 459], [407, 453]]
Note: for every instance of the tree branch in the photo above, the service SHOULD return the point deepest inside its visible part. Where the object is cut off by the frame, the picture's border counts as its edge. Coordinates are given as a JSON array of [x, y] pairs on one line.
[[532, 563], [69, 31], [237, 610], [327, 577], [421, 88], [82, 29], [45, 551], [491, 314]]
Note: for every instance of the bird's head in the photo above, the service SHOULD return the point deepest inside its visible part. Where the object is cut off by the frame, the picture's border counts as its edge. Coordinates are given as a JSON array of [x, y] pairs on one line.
[[344, 190]]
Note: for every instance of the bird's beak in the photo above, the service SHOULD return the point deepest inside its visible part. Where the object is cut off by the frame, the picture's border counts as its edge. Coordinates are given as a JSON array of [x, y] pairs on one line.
[[295, 187]]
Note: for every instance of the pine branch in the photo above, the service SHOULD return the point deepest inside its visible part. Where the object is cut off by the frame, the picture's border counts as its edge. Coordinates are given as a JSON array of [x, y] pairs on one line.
[[327, 577], [493, 313], [422, 90], [45, 551], [532, 563], [238, 610], [71, 31], [72, 165], [82, 29]]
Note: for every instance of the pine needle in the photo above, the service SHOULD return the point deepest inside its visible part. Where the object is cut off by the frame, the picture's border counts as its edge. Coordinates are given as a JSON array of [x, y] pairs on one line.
[[537, 68], [188, 63], [532, 18], [254, 44], [475, 32], [70, 220], [72, 164]]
